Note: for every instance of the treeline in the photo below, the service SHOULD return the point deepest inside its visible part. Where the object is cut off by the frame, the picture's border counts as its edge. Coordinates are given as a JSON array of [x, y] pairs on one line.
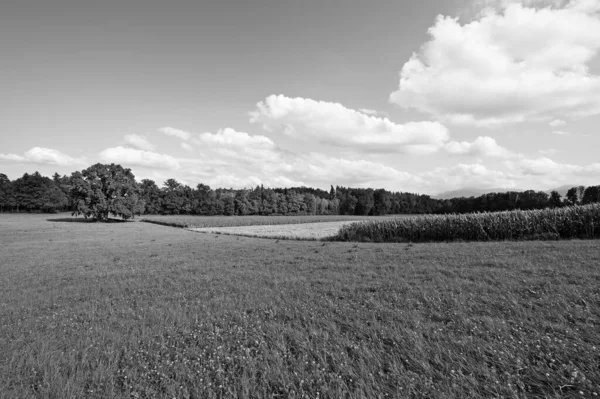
[[34, 193], [525, 200], [37, 193]]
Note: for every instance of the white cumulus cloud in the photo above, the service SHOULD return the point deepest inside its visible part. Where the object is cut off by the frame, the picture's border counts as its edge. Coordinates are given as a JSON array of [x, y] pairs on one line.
[[545, 166], [322, 170], [368, 111], [515, 64], [335, 125], [482, 146], [229, 137], [181, 134], [139, 141], [187, 147], [132, 156], [43, 156], [468, 175], [557, 123]]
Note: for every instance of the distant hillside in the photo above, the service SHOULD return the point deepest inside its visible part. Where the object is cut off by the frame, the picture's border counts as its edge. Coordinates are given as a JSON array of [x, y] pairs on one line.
[[471, 192]]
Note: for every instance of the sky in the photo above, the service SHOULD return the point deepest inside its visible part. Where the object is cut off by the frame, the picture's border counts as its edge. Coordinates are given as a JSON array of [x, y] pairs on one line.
[[421, 96]]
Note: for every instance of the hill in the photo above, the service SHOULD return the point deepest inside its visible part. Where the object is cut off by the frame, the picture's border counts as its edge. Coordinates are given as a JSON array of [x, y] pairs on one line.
[[471, 192]]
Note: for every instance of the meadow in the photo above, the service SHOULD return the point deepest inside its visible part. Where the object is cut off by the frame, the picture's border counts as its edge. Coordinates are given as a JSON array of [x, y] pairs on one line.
[[187, 221], [139, 310], [298, 231]]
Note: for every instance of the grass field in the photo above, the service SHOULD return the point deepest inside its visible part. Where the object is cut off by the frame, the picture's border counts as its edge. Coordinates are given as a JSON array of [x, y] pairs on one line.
[[137, 310], [239, 221], [298, 231]]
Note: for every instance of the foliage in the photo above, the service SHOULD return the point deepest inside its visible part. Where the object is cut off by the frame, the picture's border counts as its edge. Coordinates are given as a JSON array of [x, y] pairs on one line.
[[101, 190], [7, 199], [34, 193], [558, 223]]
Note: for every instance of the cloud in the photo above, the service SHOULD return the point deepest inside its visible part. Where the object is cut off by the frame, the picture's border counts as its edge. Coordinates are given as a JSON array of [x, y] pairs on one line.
[[468, 175], [229, 158], [557, 123], [549, 151], [138, 141], [187, 147], [498, 5], [513, 65], [181, 134], [543, 166], [368, 111], [229, 145], [335, 125], [43, 156], [13, 158], [132, 156], [482, 146], [322, 170], [560, 133], [228, 137], [547, 167]]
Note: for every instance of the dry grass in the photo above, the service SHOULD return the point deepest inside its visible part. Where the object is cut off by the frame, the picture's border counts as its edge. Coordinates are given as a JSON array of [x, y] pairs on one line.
[[304, 231], [187, 221], [135, 310]]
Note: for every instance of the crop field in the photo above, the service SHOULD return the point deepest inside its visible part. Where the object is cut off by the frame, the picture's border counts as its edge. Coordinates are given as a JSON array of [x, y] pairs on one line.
[[187, 221], [298, 231], [138, 310], [549, 224]]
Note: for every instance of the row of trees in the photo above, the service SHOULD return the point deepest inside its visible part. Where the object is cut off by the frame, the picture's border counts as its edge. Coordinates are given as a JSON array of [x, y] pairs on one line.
[[101, 190], [175, 198], [530, 199]]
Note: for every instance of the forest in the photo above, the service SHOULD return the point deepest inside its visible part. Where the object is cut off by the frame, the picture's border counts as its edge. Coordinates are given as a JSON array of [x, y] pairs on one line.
[[112, 187]]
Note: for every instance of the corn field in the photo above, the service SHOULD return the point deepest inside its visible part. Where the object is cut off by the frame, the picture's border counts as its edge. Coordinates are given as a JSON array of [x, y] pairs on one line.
[[545, 224]]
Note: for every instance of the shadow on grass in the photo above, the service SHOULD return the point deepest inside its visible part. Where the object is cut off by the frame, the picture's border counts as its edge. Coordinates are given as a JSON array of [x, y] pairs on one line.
[[83, 220]]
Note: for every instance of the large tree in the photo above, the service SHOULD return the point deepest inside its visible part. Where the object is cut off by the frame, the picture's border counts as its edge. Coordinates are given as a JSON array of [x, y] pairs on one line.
[[101, 190]]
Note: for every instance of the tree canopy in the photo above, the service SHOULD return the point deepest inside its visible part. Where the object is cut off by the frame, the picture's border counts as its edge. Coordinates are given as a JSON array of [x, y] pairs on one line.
[[101, 190]]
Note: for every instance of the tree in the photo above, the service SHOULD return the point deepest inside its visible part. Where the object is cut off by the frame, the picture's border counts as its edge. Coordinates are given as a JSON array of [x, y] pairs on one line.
[[228, 203], [365, 201], [332, 193], [173, 198], [554, 201], [151, 195], [6, 193], [64, 183], [591, 195], [381, 202], [37, 193], [101, 190], [242, 205], [310, 202], [575, 195]]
